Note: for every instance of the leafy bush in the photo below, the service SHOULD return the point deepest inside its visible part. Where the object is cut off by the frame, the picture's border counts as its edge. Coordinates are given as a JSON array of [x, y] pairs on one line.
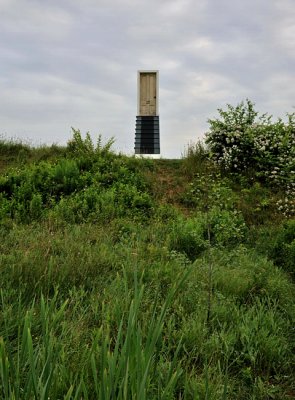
[[230, 137], [65, 177], [43, 183], [216, 228], [209, 190], [227, 228], [96, 203], [85, 148], [36, 206], [188, 237], [90, 184], [240, 140]]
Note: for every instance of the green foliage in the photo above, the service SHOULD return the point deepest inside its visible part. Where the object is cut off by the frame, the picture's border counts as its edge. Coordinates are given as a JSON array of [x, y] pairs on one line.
[[227, 228], [94, 318], [208, 190], [257, 204], [216, 228], [90, 185], [65, 177], [283, 251], [10, 148], [243, 143], [96, 203], [84, 148], [188, 237], [123, 367], [98, 324], [17, 153], [36, 207], [195, 158]]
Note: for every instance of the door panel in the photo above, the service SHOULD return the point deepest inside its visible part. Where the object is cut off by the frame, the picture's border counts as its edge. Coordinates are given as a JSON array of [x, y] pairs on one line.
[[148, 93]]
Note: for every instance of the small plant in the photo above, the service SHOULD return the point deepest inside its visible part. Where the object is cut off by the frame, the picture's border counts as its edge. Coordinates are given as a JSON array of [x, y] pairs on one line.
[[36, 207], [188, 237], [283, 251], [227, 228], [209, 190], [195, 159], [80, 147]]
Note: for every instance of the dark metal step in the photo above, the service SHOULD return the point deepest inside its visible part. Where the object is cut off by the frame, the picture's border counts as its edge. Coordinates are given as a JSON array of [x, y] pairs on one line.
[[147, 135]]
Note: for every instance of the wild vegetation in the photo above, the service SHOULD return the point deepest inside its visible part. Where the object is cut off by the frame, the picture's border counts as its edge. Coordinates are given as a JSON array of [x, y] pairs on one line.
[[126, 278]]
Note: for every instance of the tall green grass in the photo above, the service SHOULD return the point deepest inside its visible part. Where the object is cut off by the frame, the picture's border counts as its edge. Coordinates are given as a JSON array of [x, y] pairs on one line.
[[113, 365], [77, 324]]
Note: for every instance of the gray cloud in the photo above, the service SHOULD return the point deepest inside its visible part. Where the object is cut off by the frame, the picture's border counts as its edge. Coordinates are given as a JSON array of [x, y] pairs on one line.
[[71, 63]]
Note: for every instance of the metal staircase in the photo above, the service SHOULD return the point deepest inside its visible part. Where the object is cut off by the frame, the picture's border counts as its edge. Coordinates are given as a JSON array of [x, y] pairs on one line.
[[147, 135]]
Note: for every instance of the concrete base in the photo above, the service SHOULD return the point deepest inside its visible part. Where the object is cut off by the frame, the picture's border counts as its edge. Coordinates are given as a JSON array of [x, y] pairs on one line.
[[150, 156]]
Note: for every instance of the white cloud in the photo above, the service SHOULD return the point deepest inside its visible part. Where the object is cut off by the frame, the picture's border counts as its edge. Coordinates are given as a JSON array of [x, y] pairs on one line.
[[67, 62], [35, 18]]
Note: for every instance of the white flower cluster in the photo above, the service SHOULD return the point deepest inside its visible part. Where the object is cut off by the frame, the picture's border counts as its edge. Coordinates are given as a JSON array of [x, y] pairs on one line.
[[287, 205], [226, 147], [239, 143], [268, 150]]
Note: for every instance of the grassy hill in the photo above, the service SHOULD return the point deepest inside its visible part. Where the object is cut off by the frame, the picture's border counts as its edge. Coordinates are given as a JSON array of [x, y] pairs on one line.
[[127, 278]]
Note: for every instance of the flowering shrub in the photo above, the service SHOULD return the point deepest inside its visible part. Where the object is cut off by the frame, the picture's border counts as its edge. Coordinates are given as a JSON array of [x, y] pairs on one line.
[[230, 139], [241, 141]]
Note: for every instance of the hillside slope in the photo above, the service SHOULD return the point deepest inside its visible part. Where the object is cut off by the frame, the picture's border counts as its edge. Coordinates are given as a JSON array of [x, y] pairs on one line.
[[125, 278]]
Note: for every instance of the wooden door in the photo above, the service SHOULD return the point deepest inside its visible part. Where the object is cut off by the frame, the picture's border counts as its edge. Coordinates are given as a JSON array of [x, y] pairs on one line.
[[148, 93]]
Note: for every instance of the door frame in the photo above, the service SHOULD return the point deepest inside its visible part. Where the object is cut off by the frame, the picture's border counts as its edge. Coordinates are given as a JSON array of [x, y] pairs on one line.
[[157, 89]]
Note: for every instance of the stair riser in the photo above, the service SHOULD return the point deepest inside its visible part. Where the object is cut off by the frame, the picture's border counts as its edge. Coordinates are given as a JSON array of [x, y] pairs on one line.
[[147, 135]]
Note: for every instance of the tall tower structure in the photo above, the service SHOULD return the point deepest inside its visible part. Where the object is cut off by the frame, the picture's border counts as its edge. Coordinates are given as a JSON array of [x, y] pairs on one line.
[[147, 131]]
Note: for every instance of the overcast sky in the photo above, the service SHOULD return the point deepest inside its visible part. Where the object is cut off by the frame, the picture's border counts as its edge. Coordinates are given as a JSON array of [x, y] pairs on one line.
[[74, 63]]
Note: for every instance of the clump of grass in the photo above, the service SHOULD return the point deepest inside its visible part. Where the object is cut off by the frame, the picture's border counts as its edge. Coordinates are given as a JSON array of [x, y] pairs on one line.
[[17, 152], [12, 148], [122, 365], [196, 159]]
